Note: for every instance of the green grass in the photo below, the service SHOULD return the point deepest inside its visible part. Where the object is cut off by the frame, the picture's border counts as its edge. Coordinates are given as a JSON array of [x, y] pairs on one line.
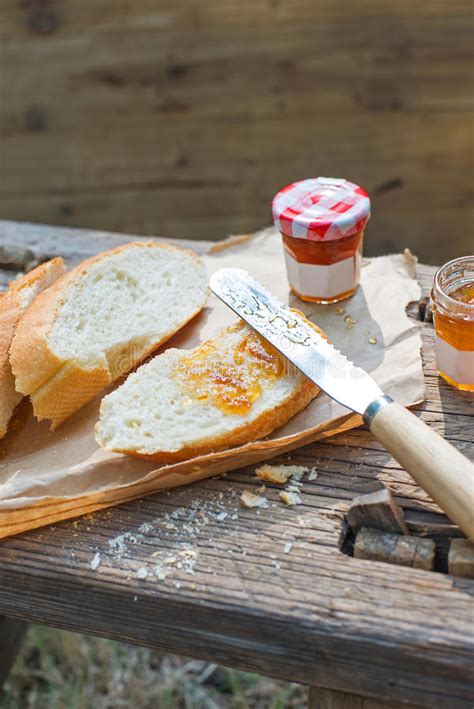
[[61, 670]]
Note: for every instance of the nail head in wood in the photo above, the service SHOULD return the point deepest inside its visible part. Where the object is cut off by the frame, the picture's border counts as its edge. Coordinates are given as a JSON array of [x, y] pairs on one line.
[[376, 545], [377, 510]]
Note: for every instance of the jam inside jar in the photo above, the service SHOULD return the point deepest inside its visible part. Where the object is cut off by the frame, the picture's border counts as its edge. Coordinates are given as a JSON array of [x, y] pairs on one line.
[[339, 274], [322, 222], [452, 302]]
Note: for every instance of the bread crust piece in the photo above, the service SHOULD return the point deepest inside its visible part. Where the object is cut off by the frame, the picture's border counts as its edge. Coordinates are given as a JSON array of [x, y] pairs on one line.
[[267, 422], [58, 387], [12, 304]]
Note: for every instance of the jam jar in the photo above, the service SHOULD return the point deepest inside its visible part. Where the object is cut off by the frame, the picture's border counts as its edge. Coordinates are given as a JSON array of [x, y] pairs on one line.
[[322, 223], [452, 302]]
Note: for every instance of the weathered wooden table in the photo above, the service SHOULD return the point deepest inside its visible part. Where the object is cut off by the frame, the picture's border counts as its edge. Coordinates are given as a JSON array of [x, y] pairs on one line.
[[191, 572]]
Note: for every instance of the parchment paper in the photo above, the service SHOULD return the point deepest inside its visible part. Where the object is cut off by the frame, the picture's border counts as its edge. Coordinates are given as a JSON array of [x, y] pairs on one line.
[[48, 476]]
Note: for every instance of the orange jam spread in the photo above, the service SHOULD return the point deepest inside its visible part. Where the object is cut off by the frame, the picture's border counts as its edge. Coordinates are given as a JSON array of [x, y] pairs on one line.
[[230, 377]]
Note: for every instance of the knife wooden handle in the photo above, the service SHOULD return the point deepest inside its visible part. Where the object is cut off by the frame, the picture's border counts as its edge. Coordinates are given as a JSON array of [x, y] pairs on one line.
[[439, 468]]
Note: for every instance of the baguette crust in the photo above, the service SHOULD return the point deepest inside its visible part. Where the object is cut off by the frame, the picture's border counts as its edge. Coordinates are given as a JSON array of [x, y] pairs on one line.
[[58, 387], [267, 422], [12, 304]]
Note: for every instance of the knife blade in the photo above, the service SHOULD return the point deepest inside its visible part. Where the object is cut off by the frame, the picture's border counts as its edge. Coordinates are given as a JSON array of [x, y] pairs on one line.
[[438, 467], [287, 331]]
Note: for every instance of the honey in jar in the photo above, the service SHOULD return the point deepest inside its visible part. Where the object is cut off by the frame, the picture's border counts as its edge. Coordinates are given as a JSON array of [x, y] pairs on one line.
[[322, 222], [452, 302]]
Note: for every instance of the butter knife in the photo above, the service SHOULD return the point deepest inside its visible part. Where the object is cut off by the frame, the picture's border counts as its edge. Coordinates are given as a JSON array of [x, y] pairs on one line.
[[439, 468]]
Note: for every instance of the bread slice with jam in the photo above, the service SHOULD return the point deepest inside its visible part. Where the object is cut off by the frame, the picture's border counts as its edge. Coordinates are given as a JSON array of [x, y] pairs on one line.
[[184, 403]]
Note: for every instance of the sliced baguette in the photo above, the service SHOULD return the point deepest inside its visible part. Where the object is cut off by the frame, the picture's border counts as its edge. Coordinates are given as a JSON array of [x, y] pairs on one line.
[[100, 320], [184, 403], [13, 303]]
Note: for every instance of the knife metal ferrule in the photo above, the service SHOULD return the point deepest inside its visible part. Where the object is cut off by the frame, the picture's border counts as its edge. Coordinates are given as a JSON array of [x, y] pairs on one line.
[[374, 407]]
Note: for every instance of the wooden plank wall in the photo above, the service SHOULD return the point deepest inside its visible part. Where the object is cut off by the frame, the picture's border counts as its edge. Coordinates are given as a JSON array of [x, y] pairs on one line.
[[183, 117]]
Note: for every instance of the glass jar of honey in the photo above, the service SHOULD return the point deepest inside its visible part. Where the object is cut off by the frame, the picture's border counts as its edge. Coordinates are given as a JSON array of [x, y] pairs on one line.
[[452, 302], [322, 222]]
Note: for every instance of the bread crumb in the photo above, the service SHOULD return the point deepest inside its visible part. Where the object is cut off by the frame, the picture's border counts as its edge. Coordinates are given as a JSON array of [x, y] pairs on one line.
[[290, 498], [280, 473], [188, 553], [287, 547], [222, 516], [95, 561], [313, 474], [160, 573], [142, 573], [248, 499]]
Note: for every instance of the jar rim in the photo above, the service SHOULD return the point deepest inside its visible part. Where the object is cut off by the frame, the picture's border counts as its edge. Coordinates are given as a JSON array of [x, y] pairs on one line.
[[452, 302]]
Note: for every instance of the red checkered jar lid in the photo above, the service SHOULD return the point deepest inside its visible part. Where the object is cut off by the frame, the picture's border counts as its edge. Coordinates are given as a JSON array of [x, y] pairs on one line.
[[321, 209]]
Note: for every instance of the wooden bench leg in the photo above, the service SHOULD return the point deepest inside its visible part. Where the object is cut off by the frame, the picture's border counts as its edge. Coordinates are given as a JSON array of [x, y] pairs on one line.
[[320, 698], [11, 635]]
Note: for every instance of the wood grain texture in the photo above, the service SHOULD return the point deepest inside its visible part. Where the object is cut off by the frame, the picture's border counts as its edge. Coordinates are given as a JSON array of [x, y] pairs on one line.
[[399, 549], [185, 118], [332, 699], [376, 510], [266, 590]]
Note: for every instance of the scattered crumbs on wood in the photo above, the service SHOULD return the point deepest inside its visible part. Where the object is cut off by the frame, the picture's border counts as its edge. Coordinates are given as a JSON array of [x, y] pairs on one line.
[[248, 499], [95, 563], [145, 528], [160, 572], [119, 544], [287, 548], [290, 498]]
